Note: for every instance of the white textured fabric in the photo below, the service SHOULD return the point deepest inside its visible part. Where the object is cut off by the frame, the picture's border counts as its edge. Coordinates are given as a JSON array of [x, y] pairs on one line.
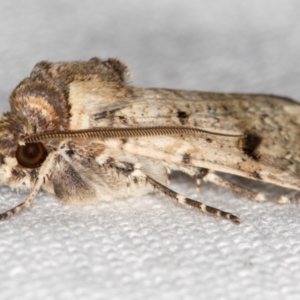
[[149, 248]]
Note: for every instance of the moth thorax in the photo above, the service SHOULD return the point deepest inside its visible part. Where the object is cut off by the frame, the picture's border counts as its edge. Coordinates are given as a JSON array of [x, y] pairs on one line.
[[41, 102]]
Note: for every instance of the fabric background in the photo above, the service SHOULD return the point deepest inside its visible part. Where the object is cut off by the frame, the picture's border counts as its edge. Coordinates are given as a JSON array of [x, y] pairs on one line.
[[149, 248]]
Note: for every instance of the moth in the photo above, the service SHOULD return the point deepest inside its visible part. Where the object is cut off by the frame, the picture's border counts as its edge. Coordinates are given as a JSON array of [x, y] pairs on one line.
[[80, 131]]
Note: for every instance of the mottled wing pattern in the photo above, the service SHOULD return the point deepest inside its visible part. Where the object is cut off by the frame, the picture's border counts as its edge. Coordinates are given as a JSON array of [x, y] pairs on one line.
[[268, 153]]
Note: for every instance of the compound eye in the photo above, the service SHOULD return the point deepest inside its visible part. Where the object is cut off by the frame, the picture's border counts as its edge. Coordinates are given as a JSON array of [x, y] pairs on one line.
[[31, 155]]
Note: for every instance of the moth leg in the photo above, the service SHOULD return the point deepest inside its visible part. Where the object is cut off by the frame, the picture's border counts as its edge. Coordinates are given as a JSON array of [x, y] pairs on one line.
[[202, 172], [182, 199], [128, 169], [128, 185], [197, 173], [168, 174], [44, 172], [243, 192]]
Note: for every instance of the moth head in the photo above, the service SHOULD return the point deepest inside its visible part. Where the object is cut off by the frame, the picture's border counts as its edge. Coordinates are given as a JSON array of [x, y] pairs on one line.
[[35, 107], [12, 172], [41, 103]]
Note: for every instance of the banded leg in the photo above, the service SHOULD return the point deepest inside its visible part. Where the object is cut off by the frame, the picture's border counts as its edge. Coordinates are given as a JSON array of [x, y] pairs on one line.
[[44, 173], [243, 192], [182, 199], [201, 173]]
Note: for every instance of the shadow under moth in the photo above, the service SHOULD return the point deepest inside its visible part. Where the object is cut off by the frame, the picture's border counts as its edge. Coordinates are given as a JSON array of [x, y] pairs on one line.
[[80, 131]]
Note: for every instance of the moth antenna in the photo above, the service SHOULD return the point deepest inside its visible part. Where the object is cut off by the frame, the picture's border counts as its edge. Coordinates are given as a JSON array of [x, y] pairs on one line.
[[182, 199], [121, 133], [44, 172]]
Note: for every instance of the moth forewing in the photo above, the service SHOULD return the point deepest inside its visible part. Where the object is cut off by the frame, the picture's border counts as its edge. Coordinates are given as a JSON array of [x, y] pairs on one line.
[[78, 130], [267, 152]]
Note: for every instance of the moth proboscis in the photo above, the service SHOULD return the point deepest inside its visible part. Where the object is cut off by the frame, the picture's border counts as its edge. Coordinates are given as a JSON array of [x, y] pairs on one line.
[[80, 131]]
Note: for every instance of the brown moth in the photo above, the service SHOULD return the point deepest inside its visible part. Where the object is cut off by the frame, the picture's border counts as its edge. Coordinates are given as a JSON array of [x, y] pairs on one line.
[[80, 131]]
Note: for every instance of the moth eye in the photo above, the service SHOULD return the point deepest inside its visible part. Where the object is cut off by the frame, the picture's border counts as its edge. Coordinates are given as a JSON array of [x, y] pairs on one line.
[[31, 155]]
